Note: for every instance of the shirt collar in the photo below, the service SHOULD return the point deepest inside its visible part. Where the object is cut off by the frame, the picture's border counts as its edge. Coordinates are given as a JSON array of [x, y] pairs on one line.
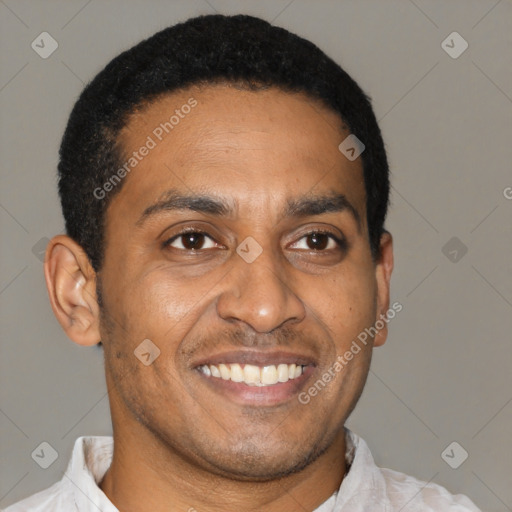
[[92, 456]]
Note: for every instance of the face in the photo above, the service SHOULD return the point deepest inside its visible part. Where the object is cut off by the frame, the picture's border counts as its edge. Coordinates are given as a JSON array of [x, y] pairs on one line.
[[238, 245]]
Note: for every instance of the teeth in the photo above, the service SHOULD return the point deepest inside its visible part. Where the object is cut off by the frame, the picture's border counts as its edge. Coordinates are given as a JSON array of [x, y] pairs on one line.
[[254, 375], [225, 373], [269, 375], [237, 374], [282, 373]]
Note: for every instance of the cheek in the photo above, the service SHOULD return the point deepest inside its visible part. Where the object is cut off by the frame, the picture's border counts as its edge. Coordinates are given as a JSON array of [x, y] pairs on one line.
[[161, 307], [346, 303]]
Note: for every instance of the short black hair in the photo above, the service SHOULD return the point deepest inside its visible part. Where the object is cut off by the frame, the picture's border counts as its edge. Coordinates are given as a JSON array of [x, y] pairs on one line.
[[236, 49]]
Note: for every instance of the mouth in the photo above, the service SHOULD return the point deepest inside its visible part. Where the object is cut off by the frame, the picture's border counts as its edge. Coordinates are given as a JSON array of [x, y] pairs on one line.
[[250, 378], [252, 375]]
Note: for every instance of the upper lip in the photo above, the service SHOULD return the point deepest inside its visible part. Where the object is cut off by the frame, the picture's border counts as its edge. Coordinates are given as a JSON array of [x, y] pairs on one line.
[[257, 358]]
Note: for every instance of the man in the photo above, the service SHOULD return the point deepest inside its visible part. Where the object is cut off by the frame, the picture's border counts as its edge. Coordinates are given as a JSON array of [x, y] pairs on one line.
[[225, 186]]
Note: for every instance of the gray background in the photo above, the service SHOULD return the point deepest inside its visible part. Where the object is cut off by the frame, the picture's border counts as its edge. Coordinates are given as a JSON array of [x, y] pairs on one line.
[[444, 374]]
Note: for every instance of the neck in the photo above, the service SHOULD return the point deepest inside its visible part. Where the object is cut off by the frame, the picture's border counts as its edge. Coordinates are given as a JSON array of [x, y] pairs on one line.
[[148, 476]]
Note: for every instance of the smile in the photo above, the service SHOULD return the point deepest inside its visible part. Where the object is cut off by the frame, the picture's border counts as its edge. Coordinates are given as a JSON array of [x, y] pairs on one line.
[[252, 375]]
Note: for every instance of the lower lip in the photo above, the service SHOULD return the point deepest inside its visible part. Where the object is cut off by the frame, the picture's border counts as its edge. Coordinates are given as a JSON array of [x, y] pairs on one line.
[[258, 395]]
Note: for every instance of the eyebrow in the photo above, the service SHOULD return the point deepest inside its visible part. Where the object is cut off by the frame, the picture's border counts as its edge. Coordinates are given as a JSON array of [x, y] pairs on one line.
[[305, 206]]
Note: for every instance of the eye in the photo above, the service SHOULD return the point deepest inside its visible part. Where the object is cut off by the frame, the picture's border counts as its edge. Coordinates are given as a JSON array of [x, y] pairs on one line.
[[319, 241], [190, 240], [195, 240]]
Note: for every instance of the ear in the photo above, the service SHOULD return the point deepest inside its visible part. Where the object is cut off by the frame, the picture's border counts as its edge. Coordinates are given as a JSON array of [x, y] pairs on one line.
[[71, 283], [383, 269]]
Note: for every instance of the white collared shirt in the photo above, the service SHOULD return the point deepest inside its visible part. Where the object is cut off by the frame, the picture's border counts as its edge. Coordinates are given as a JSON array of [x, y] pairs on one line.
[[365, 488]]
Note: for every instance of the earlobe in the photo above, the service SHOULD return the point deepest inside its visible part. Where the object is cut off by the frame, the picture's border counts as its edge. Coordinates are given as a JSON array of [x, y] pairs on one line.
[[71, 283], [383, 269]]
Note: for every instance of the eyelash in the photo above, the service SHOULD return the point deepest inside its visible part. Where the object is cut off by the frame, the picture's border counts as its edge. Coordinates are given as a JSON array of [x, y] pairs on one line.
[[187, 231]]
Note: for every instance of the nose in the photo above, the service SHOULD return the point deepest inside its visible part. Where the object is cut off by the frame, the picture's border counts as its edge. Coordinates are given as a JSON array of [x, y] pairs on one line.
[[259, 295]]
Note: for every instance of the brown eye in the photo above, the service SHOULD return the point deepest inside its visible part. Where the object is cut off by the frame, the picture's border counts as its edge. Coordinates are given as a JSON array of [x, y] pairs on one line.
[[319, 241], [193, 240], [190, 241]]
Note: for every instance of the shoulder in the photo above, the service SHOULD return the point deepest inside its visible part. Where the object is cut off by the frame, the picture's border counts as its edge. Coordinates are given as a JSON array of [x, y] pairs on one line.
[[395, 491], [410, 494], [90, 459], [53, 499]]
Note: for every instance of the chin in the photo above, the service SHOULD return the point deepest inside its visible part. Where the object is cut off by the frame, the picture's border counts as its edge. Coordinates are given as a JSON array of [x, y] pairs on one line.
[[261, 470], [268, 463]]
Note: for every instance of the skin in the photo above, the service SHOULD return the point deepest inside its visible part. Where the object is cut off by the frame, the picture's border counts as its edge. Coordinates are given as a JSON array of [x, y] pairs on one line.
[[178, 442]]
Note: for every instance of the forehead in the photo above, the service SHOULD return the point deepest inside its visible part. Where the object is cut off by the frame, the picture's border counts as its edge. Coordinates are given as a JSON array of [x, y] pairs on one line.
[[258, 147]]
